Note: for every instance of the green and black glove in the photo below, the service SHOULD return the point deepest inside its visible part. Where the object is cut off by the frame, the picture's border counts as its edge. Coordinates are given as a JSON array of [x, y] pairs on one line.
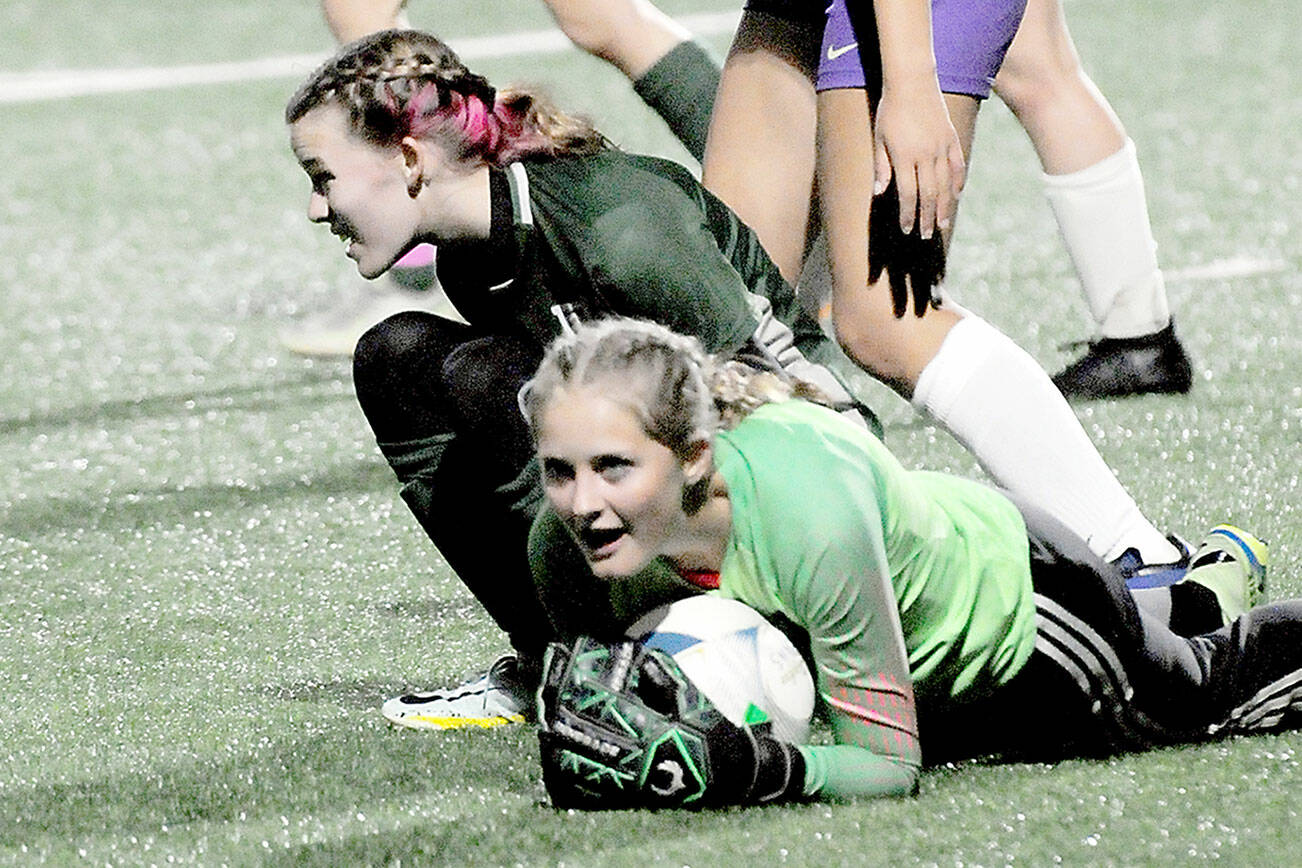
[[622, 727]]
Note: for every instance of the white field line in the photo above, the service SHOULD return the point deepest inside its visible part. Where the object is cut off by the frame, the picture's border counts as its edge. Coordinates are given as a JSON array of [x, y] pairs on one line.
[[1224, 269], [16, 87]]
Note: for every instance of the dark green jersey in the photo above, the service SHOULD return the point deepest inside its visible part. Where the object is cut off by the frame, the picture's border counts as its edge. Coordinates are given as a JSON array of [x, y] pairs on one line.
[[620, 234]]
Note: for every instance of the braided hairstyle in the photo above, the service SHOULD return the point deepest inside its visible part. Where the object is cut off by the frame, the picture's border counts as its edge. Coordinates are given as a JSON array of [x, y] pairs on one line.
[[678, 391], [398, 83]]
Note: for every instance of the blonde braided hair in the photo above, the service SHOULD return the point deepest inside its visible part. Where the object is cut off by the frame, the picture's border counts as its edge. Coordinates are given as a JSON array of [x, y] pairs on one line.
[[678, 391], [740, 390]]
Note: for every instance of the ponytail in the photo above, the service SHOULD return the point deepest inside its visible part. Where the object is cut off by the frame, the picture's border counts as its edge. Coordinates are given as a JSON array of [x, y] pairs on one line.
[[740, 390], [399, 83]]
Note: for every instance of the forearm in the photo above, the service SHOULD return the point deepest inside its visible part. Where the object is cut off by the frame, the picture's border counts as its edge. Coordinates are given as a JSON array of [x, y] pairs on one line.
[[351, 19], [904, 35], [843, 771]]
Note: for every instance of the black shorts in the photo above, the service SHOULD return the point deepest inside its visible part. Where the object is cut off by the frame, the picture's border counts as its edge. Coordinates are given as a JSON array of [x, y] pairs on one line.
[[810, 14]]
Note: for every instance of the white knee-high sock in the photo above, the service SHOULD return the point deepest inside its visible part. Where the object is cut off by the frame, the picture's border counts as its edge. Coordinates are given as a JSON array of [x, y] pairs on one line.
[[1103, 217], [999, 403]]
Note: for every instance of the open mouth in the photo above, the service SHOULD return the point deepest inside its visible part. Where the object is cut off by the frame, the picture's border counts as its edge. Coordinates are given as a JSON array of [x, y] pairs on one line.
[[350, 242], [600, 542], [342, 232]]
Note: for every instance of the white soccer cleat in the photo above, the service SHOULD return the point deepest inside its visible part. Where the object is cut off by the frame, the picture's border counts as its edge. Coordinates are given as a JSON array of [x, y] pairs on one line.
[[335, 332], [497, 697]]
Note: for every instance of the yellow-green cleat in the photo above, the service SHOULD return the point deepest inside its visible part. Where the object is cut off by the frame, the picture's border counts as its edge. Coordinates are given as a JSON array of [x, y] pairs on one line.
[[1231, 563]]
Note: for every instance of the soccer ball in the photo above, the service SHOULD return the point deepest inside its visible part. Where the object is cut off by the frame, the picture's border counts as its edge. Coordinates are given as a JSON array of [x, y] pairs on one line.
[[737, 659]]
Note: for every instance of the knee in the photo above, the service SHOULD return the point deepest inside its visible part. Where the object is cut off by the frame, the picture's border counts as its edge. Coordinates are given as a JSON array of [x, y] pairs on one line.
[[1032, 84], [487, 367], [481, 381], [877, 346], [393, 340], [893, 349], [397, 368]]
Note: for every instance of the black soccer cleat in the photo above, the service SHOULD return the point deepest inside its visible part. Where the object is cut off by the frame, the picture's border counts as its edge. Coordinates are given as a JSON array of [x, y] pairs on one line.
[[1114, 367]]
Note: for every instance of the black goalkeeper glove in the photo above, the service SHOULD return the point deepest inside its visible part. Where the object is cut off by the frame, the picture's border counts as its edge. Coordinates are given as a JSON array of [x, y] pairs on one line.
[[622, 727]]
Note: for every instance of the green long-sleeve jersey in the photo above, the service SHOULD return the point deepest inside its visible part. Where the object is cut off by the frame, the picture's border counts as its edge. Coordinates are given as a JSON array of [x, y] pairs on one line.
[[904, 580]]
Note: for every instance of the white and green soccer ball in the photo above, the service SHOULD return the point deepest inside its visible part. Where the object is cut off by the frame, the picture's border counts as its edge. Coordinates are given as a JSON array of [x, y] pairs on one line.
[[743, 664]]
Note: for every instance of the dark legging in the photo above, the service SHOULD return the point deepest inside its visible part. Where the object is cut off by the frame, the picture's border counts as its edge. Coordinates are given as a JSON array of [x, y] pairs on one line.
[[441, 399], [1106, 678]]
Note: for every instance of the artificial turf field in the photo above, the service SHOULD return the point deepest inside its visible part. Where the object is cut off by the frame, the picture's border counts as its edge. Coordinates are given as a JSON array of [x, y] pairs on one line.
[[208, 582]]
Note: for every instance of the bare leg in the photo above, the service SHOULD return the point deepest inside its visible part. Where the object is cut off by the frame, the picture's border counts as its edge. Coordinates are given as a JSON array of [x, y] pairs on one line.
[[352, 19], [894, 349], [1070, 123], [961, 371], [759, 157], [631, 35]]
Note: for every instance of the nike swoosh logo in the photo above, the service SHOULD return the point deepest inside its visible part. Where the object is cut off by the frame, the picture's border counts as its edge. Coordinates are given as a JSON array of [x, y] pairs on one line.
[[834, 53]]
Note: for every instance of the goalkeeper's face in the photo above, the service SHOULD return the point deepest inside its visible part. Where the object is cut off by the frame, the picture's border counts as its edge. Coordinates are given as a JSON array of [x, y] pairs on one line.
[[618, 491]]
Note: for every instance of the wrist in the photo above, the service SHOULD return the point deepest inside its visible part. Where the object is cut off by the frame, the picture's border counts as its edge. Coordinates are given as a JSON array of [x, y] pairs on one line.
[[913, 80], [780, 772]]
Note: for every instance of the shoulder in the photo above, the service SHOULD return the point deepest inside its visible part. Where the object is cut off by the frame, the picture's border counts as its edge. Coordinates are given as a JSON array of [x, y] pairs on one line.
[[800, 461], [618, 202], [607, 175], [799, 428]]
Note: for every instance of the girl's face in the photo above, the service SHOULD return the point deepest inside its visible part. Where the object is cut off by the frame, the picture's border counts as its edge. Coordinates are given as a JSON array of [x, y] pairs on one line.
[[360, 189], [618, 491]]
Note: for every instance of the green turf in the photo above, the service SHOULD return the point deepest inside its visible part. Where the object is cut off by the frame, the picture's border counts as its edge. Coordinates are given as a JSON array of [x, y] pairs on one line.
[[208, 583]]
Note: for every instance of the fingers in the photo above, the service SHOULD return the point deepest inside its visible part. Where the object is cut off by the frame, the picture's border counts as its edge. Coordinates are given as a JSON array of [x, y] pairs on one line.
[[957, 170], [940, 184], [906, 188], [881, 167], [952, 168], [928, 194]]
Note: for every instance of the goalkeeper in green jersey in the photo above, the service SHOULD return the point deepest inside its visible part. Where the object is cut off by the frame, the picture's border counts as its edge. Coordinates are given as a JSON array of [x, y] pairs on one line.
[[944, 620]]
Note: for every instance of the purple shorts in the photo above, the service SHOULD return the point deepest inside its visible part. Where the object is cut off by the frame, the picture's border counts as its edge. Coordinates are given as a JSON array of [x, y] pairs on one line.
[[970, 39]]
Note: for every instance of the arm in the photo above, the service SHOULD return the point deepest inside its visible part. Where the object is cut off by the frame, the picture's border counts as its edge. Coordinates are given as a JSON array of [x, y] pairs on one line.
[[812, 544], [862, 668], [913, 137]]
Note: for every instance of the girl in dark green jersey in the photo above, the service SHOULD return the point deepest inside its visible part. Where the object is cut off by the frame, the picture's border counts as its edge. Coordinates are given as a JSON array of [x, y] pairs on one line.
[[538, 222], [944, 619]]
